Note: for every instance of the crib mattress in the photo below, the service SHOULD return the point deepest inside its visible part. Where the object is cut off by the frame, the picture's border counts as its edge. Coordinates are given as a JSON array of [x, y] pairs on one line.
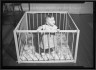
[[65, 54]]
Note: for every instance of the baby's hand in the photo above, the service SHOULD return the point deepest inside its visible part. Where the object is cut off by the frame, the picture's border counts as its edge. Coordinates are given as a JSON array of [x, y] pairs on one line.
[[38, 30], [58, 30]]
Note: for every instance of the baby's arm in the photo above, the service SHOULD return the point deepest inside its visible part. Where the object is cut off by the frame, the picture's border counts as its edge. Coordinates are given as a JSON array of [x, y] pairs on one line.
[[40, 28], [56, 28]]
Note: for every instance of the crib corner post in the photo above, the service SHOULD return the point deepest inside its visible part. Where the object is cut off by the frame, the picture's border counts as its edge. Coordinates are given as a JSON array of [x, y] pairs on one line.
[[76, 48], [16, 45], [18, 61]]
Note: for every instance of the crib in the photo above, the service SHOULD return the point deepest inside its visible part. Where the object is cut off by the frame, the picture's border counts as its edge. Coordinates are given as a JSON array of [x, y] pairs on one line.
[[27, 38]]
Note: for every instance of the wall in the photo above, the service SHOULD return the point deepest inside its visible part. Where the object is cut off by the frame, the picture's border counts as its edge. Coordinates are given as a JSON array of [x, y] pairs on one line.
[[80, 8]]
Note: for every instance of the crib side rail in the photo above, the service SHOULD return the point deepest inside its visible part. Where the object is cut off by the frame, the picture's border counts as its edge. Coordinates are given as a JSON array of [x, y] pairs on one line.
[[52, 31]]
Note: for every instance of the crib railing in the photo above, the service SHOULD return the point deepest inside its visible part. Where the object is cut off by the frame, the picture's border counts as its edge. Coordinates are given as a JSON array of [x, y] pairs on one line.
[[28, 40], [30, 47]]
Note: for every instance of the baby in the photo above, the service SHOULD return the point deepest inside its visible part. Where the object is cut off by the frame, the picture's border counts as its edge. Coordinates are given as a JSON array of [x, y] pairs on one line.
[[48, 40]]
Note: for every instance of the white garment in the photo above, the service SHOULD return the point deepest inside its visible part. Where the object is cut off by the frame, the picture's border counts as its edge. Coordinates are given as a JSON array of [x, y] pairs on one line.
[[48, 27], [48, 40]]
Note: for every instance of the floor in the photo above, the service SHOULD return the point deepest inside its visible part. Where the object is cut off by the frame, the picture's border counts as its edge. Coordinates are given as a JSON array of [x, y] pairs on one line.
[[85, 50]]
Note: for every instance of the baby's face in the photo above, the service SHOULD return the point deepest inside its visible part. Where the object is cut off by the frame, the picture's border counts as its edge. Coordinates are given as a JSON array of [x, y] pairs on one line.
[[50, 21]]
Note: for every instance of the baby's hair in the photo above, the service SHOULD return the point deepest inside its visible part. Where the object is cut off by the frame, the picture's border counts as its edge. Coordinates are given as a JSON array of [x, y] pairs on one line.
[[47, 16]]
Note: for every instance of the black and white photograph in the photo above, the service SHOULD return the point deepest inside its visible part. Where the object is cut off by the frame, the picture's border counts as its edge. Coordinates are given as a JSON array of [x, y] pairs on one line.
[[47, 34]]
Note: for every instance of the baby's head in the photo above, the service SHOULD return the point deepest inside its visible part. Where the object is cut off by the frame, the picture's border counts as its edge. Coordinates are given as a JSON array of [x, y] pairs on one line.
[[50, 20]]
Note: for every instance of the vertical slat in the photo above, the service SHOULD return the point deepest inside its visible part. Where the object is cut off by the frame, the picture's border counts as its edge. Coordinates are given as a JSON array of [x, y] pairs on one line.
[[26, 37], [55, 40], [54, 45], [16, 43], [32, 44], [38, 38], [26, 21], [19, 40], [29, 22], [38, 35], [59, 51], [72, 43], [60, 21], [66, 23], [37, 20], [33, 21], [41, 18], [66, 26], [38, 43], [56, 18], [56, 48], [67, 37], [44, 42], [49, 44], [76, 47], [61, 44], [43, 45], [63, 21]]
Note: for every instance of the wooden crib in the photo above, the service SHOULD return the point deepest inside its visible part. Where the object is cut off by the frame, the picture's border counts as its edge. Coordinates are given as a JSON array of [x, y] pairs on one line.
[[27, 38]]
